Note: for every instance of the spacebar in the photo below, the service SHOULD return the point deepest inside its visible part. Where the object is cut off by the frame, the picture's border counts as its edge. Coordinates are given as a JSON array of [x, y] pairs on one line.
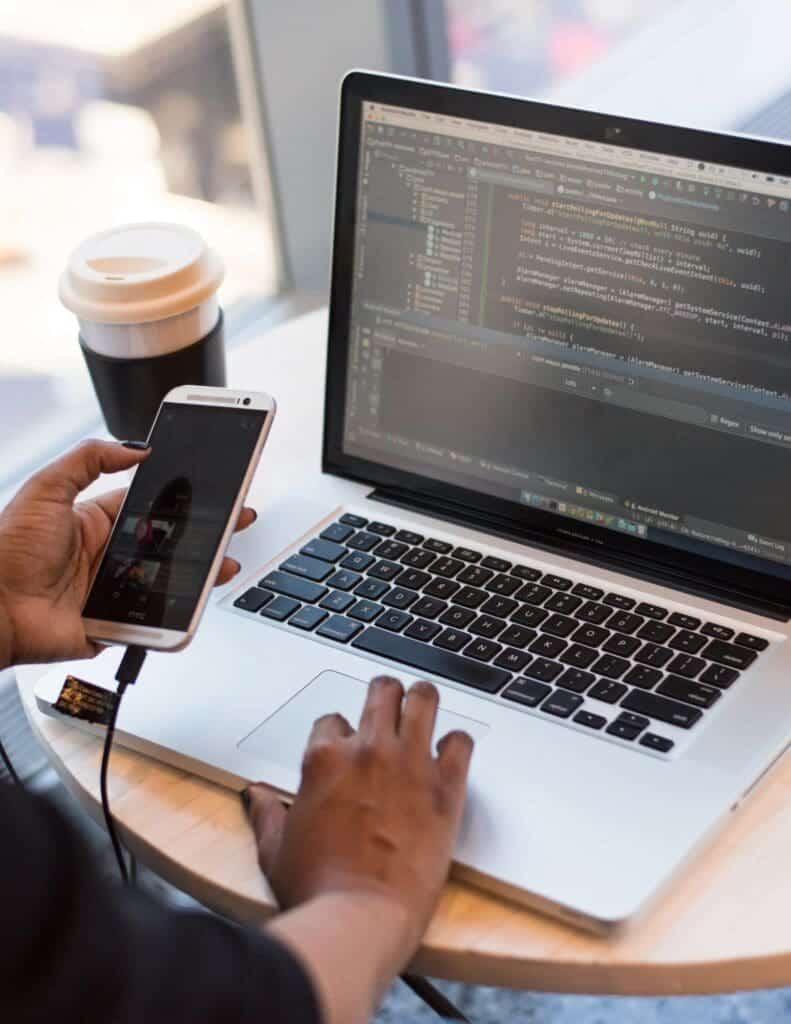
[[431, 659]]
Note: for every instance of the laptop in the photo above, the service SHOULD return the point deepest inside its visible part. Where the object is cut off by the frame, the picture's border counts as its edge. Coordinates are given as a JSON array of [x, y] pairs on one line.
[[557, 445]]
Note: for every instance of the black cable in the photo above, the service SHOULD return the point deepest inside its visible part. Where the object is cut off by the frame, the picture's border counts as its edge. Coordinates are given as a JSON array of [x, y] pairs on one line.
[[433, 998], [9, 766], [127, 674]]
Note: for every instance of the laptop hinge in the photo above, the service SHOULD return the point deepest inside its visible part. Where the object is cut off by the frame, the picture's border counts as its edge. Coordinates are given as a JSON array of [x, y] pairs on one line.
[[630, 565]]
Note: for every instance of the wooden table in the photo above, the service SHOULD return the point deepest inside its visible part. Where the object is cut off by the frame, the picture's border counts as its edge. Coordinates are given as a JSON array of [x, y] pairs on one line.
[[724, 925]]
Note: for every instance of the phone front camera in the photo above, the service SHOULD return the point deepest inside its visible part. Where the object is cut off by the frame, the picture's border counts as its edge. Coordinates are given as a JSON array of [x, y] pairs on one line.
[[246, 401]]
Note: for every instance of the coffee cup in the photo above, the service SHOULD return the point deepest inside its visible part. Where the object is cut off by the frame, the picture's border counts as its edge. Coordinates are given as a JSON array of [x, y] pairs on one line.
[[145, 297]]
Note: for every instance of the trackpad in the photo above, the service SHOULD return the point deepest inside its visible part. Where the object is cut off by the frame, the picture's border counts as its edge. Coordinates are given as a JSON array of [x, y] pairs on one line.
[[283, 736]]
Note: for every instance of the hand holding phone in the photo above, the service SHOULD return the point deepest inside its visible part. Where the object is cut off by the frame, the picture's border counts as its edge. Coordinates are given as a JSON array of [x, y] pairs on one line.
[[167, 544]]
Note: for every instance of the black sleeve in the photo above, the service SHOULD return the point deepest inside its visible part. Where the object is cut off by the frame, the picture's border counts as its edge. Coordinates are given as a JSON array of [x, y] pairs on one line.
[[74, 948]]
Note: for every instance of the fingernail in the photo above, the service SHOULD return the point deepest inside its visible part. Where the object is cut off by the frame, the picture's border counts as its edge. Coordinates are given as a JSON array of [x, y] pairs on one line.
[[255, 514], [245, 797], [137, 446]]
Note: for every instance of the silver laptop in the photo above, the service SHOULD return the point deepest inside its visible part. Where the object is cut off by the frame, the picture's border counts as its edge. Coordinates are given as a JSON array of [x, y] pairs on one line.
[[557, 351]]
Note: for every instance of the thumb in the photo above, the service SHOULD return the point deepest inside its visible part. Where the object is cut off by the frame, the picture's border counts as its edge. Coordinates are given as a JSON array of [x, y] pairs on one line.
[[268, 818], [63, 479]]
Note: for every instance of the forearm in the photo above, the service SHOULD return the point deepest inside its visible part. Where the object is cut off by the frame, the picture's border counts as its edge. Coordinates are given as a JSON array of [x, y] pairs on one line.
[[352, 946]]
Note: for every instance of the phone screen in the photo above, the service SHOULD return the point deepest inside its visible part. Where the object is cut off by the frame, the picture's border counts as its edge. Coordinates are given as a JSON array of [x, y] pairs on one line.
[[166, 537]]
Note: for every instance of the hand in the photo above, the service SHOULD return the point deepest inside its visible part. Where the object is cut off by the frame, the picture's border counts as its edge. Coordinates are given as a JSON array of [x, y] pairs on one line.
[[49, 549], [376, 814]]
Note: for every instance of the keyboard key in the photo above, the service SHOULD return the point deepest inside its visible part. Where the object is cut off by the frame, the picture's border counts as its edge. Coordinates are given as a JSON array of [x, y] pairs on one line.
[[385, 570], [717, 631], [394, 620], [308, 617], [654, 742], [547, 646], [280, 608], [577, 680], [719, 675], [390, 549], [589, 593], [458, 617], [442, 588], [619, 601], [591, 636], [487, 625], [729, 654], [579, 656], [527, 691], [518, 636], [622, 645], [452, 639], [400, 597], [686, 665], [467, 555], [338, 627], [327, 550], [344, 579], [293, 586], [366, 611], [337, 532], [594, 613], [336, 601], [650, 654], [608, 691], [352, 520], [383, 529], [755, 643], [643, 676], [529, 616], [310, 568], [412, 578], [362, 541], [610, 666], [566, 603], [498, 564], [440, 547], [656, 632], [372, 589], [429, 658], [418, 559], [533, 593], [446, 567], [524, 572], [561, 703], [651, 611], [505, 585], [475, 575], [556, 582], [689, 643], [429, 607], [544, 670], [499, 606], [253, 600], [684, 621], [470, 597], [512, 659], [589, 720], [422, 629], [625, 730], [690, 692], [408, 537], [357, 561], [559, 625], [625, 622], [482, 650], [662, 708]]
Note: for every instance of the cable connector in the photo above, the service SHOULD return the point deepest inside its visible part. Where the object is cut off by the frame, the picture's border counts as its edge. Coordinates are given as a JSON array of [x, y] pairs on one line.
[[130, 666]]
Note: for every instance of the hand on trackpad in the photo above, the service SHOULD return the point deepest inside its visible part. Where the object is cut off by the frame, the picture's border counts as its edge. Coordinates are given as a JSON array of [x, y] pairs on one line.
[[282, 737]]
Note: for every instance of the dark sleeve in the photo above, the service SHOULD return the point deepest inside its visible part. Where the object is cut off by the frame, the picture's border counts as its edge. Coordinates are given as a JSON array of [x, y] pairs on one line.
[[75, 948]]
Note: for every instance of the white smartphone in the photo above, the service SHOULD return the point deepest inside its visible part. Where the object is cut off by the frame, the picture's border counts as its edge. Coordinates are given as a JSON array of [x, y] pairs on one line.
[[167, 545]]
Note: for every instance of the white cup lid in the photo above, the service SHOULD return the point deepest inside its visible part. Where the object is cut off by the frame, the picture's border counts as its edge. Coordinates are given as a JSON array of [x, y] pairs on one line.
[[140, 273]]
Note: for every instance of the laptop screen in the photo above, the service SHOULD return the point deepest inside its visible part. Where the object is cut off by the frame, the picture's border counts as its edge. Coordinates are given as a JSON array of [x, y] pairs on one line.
[[594, 331]]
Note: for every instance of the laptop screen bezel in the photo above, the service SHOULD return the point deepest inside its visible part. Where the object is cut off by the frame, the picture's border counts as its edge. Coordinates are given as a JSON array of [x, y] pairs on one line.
[[534, 525]]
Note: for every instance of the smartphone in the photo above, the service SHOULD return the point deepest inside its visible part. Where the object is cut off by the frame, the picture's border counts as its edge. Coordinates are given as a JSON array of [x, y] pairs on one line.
[[167, 545]]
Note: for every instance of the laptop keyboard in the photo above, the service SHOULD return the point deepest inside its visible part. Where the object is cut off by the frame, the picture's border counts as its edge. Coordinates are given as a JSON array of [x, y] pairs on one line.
[[569, 650]]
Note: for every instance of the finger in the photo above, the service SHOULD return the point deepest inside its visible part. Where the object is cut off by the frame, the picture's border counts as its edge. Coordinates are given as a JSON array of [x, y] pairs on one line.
[[110, 503], [419, 716], [229, 568], [246, 518], [63, 479], [454, 753], [268, 818], [382, 712], [328, 728]]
